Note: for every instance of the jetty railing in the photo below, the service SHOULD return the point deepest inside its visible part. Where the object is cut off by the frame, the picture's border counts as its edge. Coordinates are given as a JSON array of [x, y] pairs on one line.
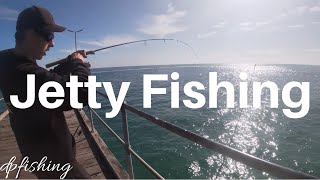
[[1, 101], [247, 159], [3, 111]]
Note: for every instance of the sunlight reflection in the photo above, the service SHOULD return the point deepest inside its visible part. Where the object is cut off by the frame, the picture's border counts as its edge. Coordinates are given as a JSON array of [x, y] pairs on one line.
[[194, 168], [250, 131]]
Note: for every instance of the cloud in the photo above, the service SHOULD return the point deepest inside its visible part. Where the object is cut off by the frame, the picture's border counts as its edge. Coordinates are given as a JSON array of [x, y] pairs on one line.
[[66, 51], [264, 52], [314, 9], [301, 9], [110, 40], [206, 35], [282, 15], [8, 14], [315, 50], [247, 26], [297, 11], [220, 25], [247, 23], [214, 29], [163, 24], [296, 26], [170, 8], [250, 26], [305, 9], [263, 23]]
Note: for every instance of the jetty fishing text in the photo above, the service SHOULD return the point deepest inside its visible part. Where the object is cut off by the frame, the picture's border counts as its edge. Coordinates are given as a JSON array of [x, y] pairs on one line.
[[190, 89]]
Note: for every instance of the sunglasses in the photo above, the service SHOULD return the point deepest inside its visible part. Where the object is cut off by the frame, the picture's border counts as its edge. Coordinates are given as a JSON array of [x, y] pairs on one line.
[[48, 36]]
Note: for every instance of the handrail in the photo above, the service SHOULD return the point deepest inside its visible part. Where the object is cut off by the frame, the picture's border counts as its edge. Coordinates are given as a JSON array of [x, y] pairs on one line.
[[91, 120], [1, 111], [3, 115], [145, 164], [247, 159]]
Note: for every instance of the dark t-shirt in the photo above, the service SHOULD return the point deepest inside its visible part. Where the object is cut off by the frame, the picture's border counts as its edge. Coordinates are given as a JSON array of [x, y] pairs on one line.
[[40, 131]]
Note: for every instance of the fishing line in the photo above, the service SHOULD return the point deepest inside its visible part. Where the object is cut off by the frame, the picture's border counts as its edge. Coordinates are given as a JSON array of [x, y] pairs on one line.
[[178, 41], [236, 128]]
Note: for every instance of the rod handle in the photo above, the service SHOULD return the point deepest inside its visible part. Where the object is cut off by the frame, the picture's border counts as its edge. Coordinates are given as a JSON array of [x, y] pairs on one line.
[[57, 62], [60, 61]]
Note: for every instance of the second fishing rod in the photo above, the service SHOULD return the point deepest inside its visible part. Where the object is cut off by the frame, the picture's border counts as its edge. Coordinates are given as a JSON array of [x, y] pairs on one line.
[[91, 52]]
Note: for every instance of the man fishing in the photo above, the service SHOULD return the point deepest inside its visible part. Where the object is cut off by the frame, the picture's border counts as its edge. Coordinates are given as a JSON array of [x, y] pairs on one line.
[[41, 132]]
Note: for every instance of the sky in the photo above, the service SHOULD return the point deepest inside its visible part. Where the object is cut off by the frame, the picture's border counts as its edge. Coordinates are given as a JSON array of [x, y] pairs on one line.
[[219, 31]]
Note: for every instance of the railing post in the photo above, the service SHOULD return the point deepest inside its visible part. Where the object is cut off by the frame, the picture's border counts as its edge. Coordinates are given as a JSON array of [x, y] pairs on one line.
[[127, 141], [91, 119]]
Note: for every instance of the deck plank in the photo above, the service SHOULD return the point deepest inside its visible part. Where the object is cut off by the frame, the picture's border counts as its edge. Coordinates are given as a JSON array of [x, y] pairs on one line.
[[9, 148]]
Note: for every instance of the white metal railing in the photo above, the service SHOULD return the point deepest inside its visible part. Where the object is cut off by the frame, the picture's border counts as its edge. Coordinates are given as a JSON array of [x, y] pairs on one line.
[[247, 159]]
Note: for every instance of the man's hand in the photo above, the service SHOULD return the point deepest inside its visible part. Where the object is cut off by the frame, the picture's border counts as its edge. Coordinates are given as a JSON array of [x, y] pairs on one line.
[[87, 64], [81, 54]]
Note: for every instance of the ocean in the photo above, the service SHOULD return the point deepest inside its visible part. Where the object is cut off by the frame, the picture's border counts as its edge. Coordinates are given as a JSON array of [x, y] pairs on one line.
[[264, 132]]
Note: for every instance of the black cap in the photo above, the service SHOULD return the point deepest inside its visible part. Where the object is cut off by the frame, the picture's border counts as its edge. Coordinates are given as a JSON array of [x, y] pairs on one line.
[[39, 18]]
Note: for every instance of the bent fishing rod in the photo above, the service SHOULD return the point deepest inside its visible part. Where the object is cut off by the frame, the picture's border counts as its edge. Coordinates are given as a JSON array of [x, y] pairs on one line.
[[116, 45]]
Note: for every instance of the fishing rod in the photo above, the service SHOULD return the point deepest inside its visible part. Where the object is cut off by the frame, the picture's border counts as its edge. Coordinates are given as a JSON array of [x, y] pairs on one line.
[[116, 45]]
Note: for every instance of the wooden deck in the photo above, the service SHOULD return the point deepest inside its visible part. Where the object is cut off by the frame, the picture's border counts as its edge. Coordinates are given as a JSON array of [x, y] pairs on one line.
[[9, 148]]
